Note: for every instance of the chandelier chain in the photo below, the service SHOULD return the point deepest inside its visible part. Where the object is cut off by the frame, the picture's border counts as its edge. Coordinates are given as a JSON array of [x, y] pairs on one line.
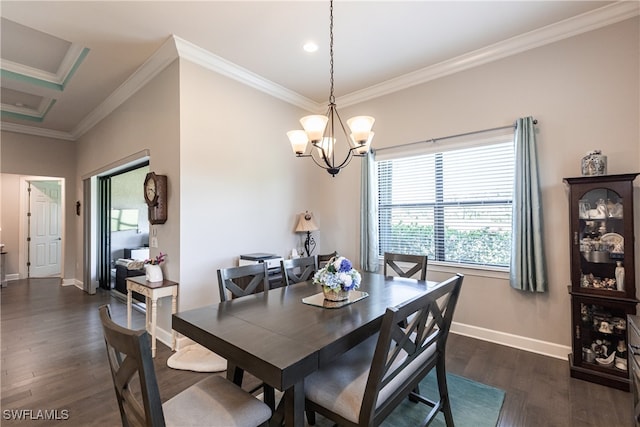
[[320, 131], [332, 98]]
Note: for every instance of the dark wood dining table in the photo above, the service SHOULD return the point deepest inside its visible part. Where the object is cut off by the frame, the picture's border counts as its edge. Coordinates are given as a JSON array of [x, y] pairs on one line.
[[280, 340]]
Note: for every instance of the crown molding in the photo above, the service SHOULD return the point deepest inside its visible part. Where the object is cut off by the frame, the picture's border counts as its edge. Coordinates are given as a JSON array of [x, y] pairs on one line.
[[171, 49], [175, 47], [35, 131], [210, 61], [570, 27], [40, 78], [37, 113], [157, 62]]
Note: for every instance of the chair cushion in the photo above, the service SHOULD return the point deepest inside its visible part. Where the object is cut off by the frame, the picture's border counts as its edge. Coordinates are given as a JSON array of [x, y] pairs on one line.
[[197, 358], [215, 401], [340, 387]]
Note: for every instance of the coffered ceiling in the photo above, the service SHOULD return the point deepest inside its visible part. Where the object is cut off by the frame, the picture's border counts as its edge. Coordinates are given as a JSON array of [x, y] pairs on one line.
[[66, 65]]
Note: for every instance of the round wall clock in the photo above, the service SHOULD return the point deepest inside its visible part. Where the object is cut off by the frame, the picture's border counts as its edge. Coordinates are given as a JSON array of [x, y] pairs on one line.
[[151, 189]]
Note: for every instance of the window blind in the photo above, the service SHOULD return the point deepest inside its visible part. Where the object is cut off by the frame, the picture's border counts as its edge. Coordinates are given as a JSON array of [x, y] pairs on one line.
[[452, 205]]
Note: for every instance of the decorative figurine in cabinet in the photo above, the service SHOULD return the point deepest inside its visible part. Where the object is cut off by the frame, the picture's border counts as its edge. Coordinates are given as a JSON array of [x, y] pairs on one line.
[[602, 289]]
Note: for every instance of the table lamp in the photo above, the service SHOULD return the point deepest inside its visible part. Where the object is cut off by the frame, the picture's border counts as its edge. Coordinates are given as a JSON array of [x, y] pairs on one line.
[[306, 224]]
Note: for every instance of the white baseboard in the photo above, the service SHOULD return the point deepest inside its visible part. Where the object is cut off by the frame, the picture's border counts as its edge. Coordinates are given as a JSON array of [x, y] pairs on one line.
[[523, 343], [65, 282], [72, 282]]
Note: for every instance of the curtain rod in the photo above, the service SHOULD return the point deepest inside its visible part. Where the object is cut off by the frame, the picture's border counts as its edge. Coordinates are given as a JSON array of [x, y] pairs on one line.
[[432, 140]]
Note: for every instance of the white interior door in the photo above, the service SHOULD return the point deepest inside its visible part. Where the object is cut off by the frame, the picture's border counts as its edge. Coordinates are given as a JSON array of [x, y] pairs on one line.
[[45, 246]]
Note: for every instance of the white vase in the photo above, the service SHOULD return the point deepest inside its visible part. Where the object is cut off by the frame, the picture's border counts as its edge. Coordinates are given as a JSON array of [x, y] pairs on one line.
[[619, 276], [153, 273]]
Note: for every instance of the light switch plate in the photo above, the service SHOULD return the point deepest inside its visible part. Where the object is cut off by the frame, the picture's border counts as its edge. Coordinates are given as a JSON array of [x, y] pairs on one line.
[[154, 242]]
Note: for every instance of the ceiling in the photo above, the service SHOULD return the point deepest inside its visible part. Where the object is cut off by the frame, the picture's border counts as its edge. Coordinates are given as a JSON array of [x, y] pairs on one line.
[[66, 65]]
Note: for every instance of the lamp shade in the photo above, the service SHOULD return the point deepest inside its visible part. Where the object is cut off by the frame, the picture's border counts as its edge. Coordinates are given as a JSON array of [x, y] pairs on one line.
[[299, 140], [363, 148], [306, 223], [314, 126], [361, 127], [325, 146]]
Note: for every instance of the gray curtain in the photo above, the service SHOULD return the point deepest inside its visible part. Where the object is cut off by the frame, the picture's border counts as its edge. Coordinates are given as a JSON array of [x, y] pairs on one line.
[[528, 265], [369, 215]]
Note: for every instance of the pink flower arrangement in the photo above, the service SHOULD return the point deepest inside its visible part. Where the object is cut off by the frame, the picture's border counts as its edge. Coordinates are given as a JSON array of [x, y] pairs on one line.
[[159, 259]]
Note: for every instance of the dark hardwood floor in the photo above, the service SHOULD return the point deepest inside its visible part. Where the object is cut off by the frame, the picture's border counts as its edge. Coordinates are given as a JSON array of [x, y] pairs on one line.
[[53, 358]]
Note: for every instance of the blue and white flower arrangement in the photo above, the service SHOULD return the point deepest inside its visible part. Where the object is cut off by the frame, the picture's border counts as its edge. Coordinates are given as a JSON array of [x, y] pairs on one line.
[[338, 275]]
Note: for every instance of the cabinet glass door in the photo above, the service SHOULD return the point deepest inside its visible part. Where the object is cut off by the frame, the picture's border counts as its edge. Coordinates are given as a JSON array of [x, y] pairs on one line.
[[601, 334], [601, 241]]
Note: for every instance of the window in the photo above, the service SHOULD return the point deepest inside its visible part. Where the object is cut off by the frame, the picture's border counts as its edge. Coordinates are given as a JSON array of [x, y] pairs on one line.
[[452, 205], [124, 219]]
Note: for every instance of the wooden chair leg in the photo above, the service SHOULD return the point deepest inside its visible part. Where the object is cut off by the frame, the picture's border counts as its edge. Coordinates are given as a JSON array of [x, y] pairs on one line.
[[444, 392], [235, 374], [268, 391], [277, 419], [269, 396], [311, 417]]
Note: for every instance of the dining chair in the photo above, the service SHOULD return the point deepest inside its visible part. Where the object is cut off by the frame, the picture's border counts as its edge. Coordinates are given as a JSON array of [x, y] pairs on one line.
[[237, 282], [416, 263], [323, 259], [298, 269], [213, 398], [368, 382]]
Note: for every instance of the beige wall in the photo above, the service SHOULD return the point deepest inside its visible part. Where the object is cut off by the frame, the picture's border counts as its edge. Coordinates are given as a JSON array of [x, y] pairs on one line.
[[234, 184], [10, 221], [26, 155], [146, 122], [584, 93], [241, 185]]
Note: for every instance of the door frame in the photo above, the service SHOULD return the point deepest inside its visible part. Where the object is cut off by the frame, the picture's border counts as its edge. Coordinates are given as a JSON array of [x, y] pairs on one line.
[[23, 245], [91, 226]]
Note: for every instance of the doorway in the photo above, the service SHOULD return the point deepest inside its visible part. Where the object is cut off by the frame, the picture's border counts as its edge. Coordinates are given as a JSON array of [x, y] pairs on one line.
[[123, 223]]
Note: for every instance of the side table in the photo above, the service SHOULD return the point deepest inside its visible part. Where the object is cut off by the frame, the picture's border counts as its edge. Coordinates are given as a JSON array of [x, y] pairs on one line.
[[152, 291]]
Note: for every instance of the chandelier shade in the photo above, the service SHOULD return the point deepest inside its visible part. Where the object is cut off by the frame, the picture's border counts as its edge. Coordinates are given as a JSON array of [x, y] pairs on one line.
[[314, 126], [320, 130], [361, 128]]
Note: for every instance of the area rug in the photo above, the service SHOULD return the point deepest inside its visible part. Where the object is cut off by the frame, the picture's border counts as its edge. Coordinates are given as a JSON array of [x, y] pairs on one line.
[[473, 404]]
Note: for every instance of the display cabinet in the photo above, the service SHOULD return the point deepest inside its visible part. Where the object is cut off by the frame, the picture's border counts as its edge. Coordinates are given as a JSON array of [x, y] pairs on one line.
[[602, 289]]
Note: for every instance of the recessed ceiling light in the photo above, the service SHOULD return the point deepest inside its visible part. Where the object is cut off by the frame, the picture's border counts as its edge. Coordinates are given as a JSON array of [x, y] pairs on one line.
[[310, 47]]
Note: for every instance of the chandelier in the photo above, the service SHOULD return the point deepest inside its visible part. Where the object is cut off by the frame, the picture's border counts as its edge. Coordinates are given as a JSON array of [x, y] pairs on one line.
[[321, 130]]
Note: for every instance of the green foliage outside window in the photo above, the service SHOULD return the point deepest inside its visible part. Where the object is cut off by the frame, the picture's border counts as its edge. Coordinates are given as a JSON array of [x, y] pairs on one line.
[[480, 246]]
